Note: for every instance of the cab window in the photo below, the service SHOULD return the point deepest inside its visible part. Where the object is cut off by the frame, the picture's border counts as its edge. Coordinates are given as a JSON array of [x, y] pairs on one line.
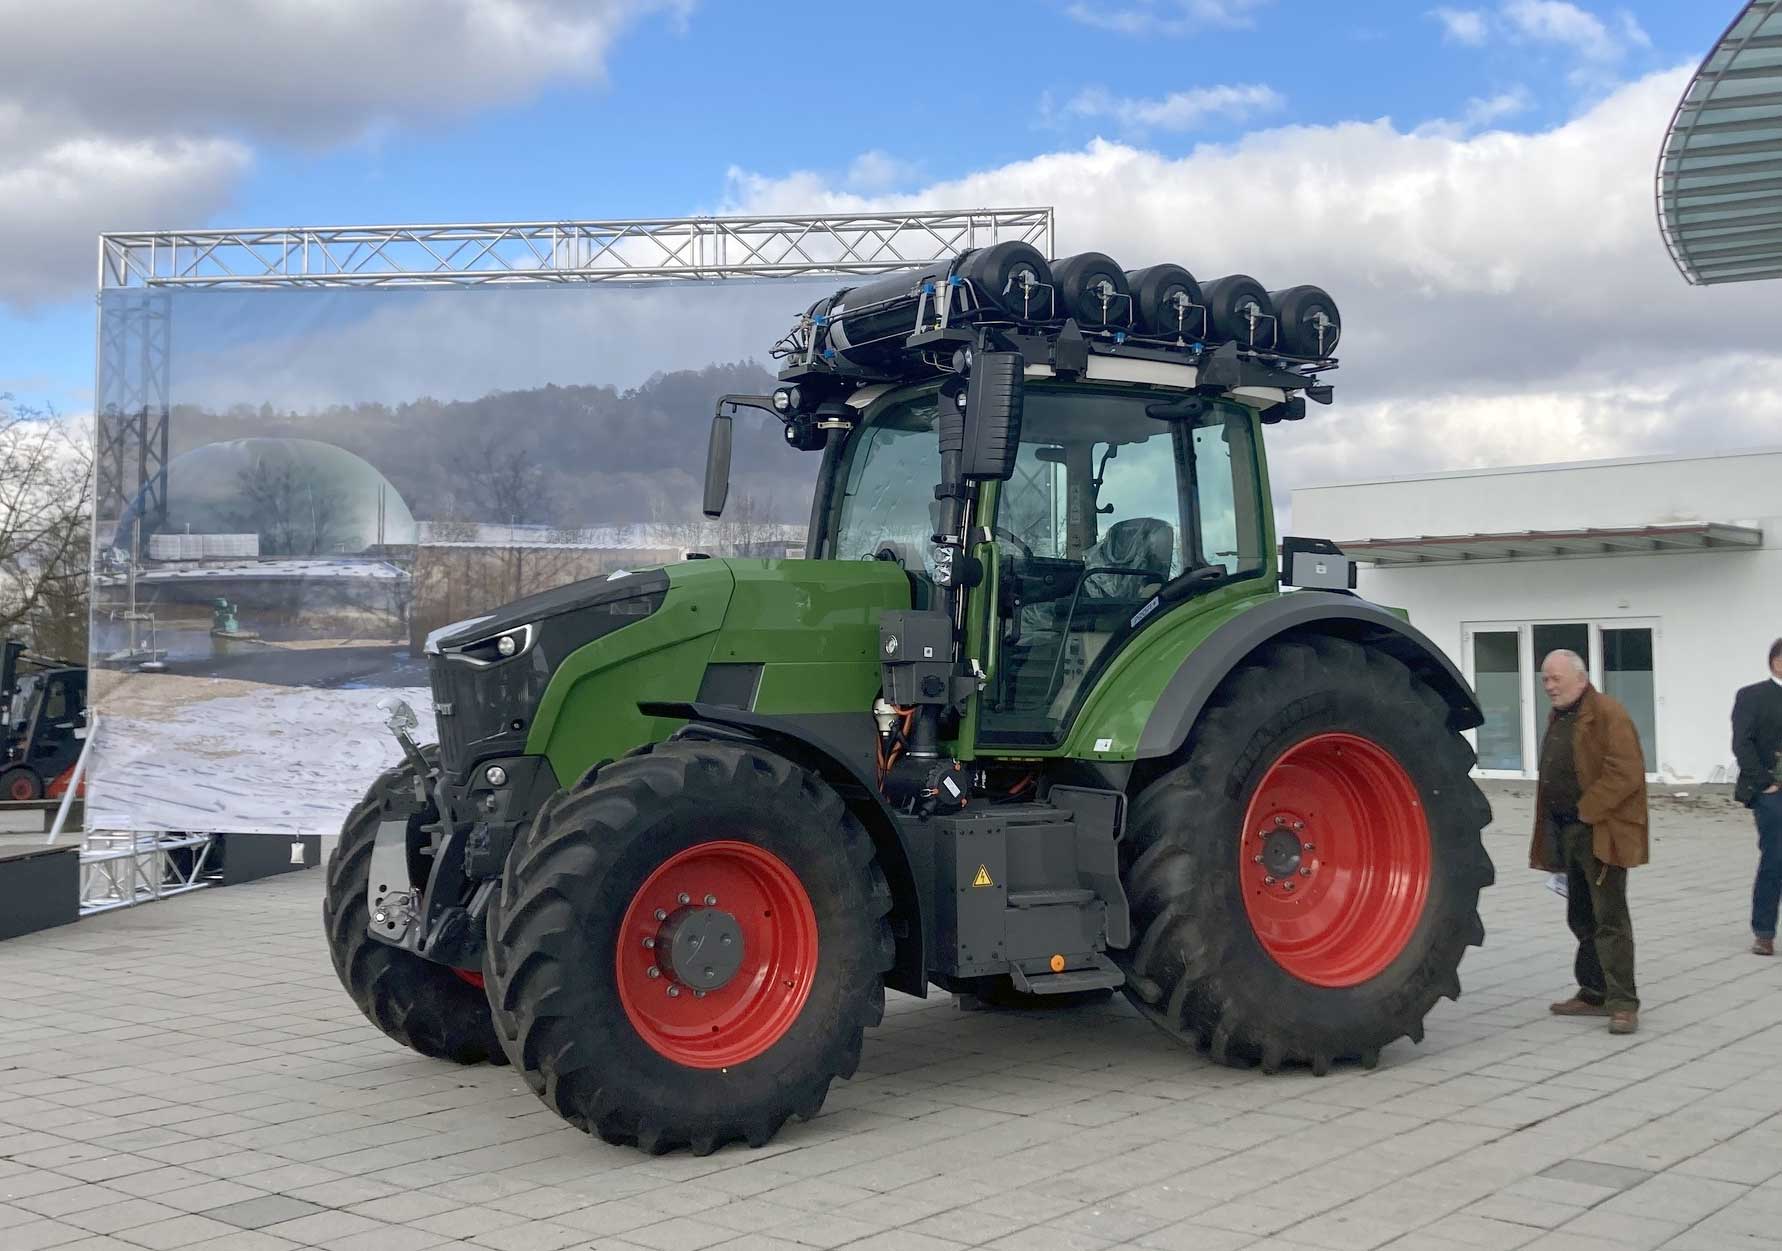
[[1106, 507]]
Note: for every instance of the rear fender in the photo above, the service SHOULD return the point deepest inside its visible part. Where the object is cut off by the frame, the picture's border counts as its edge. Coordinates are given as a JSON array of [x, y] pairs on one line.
[[1297, 615], [904, 865]]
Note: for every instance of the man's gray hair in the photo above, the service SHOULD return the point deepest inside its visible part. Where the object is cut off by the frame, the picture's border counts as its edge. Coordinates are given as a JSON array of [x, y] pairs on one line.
[[1572, 658]]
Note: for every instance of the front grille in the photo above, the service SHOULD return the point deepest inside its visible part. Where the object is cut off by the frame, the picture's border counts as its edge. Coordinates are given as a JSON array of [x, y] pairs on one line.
[[453, 691]]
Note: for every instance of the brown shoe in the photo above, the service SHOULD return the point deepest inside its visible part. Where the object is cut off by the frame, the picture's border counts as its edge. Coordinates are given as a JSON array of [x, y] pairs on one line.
[[1763, 947], [1578, 1007], [1624, 1022]]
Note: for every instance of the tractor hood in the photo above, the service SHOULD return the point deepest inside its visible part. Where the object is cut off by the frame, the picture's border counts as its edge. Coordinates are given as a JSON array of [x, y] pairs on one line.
[[533, 609]]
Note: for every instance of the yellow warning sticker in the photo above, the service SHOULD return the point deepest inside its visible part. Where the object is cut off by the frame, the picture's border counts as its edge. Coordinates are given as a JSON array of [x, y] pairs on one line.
[[983, 877]]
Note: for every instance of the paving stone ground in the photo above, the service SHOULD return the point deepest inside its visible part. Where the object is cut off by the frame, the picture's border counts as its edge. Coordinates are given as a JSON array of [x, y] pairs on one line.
[[189, 1074]]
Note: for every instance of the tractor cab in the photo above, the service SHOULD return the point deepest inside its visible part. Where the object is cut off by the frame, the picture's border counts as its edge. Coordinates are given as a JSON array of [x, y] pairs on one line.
[[1106, 506]]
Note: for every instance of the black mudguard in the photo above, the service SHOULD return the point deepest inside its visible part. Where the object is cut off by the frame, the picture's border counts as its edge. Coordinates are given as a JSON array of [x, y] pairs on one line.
[[1299, 613]]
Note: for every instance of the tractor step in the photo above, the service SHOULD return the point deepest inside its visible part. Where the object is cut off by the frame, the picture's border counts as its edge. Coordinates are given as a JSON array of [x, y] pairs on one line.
[[1102, 975], [1046, 898]]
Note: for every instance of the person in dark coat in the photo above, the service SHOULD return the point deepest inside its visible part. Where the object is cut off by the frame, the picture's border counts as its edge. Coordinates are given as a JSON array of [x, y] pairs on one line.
[[1591, 825], [1757, 745]]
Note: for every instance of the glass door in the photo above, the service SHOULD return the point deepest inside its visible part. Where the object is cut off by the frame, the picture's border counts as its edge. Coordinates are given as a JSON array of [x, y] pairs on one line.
[[1503, 662], [1496, 657], [1628, 673]]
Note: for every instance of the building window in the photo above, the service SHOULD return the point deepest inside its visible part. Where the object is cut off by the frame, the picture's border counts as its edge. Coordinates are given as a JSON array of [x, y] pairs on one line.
[[1504, 659]]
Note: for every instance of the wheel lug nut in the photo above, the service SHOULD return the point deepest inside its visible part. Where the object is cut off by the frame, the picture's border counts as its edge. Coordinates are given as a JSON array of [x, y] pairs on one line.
[[711, 901], [699, 994], [683, 897], [655, 972], [1280, 821], [649, 942], [1299, 825], [1290, 886], [661, 915], [1305, 873], [1270, 881], [674, 992], [1257, 859]]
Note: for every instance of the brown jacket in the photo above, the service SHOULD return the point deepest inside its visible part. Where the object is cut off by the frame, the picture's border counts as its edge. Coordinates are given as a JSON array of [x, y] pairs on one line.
[[1612, 773]]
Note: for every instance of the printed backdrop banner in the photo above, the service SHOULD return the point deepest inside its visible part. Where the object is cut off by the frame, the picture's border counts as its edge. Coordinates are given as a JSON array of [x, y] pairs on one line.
[[347, 470]]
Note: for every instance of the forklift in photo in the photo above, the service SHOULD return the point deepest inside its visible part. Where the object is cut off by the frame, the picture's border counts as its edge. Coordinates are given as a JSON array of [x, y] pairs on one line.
[[46, 721]]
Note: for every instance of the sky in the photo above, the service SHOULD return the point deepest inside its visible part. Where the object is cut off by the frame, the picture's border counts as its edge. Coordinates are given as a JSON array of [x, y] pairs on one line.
[[1471, 181]]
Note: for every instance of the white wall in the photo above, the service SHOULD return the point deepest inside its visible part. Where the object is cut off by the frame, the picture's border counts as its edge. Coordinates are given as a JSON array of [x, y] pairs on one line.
[[1716, 611], [1739, 487]]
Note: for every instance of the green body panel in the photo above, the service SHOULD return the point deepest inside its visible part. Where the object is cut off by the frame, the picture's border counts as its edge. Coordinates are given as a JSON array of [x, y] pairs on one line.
[[1113, 716], [813, 626], [589, 710]]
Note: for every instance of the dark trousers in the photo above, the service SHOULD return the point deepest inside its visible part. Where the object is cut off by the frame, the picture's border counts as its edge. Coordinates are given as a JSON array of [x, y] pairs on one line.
[[1596, 910], [1768, 888]]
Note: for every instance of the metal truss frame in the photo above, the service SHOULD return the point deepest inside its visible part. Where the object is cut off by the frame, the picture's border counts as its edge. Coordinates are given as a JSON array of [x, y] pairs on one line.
[[476, 254], [131, 437], [121, 870]]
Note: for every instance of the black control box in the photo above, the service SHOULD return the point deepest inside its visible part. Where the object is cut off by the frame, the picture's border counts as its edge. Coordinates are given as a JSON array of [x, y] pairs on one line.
[[916, 657]]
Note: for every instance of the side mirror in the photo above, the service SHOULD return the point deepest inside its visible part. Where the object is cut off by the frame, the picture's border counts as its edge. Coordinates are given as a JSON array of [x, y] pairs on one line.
[[717, 466], [992, 417]]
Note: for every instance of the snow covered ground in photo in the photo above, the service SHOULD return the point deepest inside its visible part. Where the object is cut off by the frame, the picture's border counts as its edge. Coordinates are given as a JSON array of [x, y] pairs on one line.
[[260, 759]]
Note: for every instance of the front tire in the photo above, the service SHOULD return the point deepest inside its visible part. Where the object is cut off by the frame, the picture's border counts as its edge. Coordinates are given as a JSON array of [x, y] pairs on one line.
[[621, 1021], [1305, 882], [422, 1005]]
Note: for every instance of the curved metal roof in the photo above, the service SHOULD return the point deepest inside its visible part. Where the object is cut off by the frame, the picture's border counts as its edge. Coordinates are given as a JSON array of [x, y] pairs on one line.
[[1720, 170]]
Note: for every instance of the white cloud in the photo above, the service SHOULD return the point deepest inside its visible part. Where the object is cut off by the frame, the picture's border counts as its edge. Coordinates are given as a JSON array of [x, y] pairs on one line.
[[1503, 293], [1555, 21], [1179, 110], [120, 115], [60, 185], [878, 170], [1484, 110], [1166, 17], [1465, 26], [1595, 45]]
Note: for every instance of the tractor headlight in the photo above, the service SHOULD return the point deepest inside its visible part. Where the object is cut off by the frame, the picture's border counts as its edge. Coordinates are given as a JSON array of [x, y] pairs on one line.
[[785, 400], [495, 647]]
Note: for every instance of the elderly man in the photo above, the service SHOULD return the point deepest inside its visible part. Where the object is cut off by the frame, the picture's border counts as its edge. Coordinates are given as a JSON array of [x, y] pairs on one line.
[[1757, 743], [1590, 824]]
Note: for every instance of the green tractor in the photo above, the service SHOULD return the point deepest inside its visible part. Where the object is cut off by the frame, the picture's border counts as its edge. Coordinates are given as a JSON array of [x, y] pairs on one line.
[[1048, 710]]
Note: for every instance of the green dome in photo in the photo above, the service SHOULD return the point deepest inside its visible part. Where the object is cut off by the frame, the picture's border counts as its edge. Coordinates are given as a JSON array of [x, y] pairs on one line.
[[300, 496]]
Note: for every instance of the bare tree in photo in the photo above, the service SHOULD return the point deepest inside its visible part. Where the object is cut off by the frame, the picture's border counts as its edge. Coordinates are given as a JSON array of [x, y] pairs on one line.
[[294, 509], [747, 528], [46, 467], [501, 480]]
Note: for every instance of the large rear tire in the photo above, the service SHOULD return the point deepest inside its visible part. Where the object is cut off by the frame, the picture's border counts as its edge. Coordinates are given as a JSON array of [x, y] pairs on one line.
[[424, 1006], [1305, 881], [687, 951]]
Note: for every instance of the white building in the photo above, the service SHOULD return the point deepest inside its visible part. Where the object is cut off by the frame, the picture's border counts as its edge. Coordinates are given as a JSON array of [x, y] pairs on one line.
[[1665, 572]]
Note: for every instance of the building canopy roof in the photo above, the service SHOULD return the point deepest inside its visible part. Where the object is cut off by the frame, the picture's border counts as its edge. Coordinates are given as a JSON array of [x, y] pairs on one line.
[[1720, 170], [1550, 544]]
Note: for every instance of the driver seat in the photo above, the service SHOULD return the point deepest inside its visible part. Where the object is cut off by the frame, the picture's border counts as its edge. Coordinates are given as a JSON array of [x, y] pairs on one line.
[[1137, 543]]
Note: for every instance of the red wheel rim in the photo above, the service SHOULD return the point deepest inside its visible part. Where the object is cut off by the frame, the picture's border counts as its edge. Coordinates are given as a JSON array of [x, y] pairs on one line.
[[738, 890], [1335, 860], [23, 787]]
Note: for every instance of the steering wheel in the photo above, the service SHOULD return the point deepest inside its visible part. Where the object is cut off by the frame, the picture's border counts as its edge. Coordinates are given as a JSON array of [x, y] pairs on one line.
[[1017, 540]]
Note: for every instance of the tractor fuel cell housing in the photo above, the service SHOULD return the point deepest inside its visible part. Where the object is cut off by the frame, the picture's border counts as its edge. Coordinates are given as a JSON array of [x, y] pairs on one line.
[[916, 657]]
